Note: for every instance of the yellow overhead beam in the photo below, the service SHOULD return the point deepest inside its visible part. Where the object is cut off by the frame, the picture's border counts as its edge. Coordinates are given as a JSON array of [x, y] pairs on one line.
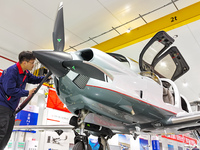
[[166, 23]]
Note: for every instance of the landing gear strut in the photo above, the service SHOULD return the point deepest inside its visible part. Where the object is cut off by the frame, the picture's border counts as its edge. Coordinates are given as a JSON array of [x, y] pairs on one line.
[[81, 139], [103, 142]]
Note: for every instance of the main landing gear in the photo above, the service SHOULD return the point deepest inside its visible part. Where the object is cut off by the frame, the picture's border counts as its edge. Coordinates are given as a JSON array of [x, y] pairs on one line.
[[81, 139]]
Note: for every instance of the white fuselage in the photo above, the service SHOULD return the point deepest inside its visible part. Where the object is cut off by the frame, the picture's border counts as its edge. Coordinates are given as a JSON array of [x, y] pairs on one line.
[[124, 80]]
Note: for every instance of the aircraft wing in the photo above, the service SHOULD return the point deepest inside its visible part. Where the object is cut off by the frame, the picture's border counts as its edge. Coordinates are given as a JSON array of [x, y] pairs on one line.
[[187, 121]]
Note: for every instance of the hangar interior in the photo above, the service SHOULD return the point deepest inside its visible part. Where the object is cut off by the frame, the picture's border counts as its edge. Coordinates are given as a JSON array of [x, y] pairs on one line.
[[113, 26]]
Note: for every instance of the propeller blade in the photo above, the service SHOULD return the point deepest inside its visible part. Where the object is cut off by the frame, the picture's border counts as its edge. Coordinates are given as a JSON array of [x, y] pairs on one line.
[[58, 32], [27, 100], [50, 59]]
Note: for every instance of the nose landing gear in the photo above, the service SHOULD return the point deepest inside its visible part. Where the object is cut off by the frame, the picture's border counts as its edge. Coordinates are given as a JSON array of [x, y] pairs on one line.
[[81, 139]]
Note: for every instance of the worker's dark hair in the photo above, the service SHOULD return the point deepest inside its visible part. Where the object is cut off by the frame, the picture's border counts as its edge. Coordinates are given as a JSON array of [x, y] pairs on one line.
[[26, 56]]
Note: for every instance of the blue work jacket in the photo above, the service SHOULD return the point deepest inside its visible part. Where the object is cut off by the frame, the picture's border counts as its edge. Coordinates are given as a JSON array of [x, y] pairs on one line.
[[12, 85]]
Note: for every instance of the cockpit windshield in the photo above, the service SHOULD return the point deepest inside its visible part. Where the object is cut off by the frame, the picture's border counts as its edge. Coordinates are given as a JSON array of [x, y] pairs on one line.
[[166, 67], [152, 51]]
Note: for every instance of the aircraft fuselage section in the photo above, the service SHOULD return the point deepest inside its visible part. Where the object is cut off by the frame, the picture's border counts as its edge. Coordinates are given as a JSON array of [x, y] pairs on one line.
[[109, 101], [120, 94]]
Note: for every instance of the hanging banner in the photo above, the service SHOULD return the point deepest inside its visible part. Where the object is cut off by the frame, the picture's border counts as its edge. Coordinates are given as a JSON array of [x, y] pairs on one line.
[[54, 102], [124, 141], [144, 144], [57, 117], [182, 139], [28, 116], [155, 143]]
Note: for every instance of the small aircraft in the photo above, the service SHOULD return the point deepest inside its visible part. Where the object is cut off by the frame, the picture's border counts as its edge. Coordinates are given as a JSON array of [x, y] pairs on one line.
[[108, 95]]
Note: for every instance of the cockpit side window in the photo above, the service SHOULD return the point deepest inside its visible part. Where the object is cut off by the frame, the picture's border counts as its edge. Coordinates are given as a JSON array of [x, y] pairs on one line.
[[167, 96], [184, 105]]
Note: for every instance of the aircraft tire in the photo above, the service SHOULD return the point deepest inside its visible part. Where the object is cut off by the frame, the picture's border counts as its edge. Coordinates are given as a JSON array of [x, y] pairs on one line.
[[79, 146]]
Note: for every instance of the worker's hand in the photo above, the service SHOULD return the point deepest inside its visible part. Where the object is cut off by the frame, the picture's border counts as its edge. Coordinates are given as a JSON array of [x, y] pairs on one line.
[[49, 78], [32, 91]]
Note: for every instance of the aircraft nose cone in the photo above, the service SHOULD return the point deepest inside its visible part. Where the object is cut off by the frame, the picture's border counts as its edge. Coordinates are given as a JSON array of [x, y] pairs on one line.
[[53, 61]]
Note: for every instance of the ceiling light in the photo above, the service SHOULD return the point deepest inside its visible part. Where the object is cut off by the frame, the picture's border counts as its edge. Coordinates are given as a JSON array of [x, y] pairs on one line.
[[185, 84], [127, 31], [175, 36]]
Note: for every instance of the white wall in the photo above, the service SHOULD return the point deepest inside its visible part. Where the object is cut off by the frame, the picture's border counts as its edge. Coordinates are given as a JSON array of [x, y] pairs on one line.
[[4, 62]]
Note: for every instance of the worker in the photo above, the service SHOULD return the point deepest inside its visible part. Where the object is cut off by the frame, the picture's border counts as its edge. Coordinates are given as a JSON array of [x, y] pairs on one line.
[[195, 148], [12, 88]]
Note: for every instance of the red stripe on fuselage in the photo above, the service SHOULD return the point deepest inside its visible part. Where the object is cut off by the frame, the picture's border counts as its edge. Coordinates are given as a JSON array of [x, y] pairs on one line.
[[132, 97], [53, 120]]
